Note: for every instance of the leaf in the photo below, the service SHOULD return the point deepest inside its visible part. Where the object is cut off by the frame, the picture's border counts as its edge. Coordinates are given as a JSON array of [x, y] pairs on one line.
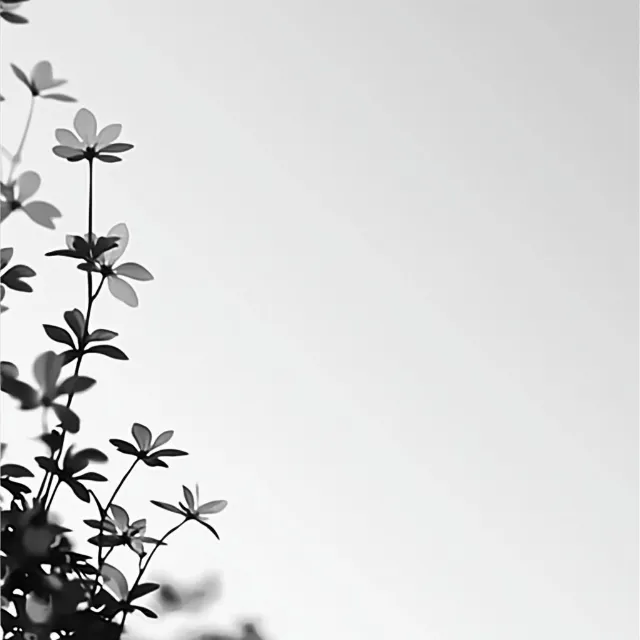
[[169, 453], [124, 447], [167, 507], [122, 290], [105, 244], [19, 73], [141, 435], [215, 506], [92, 476], [106, 540], [42, 213], [107, 158], [75, 320], [67, 253], [53, 440], [69, 356], [15, 471], [117, 147], [60, 97], [58, 334], [115, 580], [121, 516], [208, 526], [75, 384], [47, 464], [92, 455], [19, 390], [9, 369], [105, 525], [13, 18], [142, 590], [163, 438], [154, 462], [80, 491], [109, 351], [13, 278], [146, 612], [188, 496], [70, 421], [101, 334], [134, 271], [5, 256]]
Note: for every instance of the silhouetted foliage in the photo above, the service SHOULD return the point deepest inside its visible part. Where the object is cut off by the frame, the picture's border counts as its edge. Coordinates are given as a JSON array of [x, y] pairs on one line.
[[49, 590]]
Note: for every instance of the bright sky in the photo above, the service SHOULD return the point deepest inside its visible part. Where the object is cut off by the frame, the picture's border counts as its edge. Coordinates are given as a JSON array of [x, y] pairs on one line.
[[395, 311]]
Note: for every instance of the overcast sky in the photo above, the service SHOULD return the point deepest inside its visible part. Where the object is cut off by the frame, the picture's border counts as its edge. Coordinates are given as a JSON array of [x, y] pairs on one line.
[[395, 313]]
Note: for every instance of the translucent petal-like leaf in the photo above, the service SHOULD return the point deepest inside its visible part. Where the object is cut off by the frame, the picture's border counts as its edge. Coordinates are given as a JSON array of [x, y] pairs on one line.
[[28, 183], [42, 76], [121, 232], [68, 139], [108, 135], [5, 256], [59, 97], [120, 516], [142, 436], [163, 438], [122, 290], [134, 271], [215, 506], [188, 496], [38, 610], [115, 580], [86, 126], [68, 153], [46, 370], [42, 213]]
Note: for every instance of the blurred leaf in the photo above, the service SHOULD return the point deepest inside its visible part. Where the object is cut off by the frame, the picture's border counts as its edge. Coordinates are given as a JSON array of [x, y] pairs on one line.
[[13, 278], [105, 525], [70, 421], [13, 18], [60, 97], [15, 471], [109, 351], [47, 464], [106, 540], [92, 476], [75, 384], [58, 334]]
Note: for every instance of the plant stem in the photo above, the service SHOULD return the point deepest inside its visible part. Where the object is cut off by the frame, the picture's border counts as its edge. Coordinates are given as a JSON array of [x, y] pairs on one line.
[[143, 568], [17, 156], [47, 481]]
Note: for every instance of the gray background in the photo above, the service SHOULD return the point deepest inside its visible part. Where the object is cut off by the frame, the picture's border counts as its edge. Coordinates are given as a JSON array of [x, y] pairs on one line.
[[395, 315]]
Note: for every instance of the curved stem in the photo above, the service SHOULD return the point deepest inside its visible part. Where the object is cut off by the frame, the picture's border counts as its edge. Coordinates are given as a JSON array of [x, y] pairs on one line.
[[144, 566], [17, 156]]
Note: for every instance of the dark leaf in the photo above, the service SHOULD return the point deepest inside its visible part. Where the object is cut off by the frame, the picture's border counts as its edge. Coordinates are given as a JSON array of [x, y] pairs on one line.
[[75, 384], [104, 244], [109, 351], [69, 356], [47, 464], [169, 453], [78, 489], [70, 421], [58, 334], [154, 462], [124, 447], [8, 369], [13, 278], [92, 455], [5, 256], [67, 253], [53, 440], [167, 507], [15, 471], [105, 525], [13, 18], [106, 540], [92, 476], [142, 590], [146, 612], [101, 334], [16, 489], [19, 390], [208, 526], [75, 320]]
